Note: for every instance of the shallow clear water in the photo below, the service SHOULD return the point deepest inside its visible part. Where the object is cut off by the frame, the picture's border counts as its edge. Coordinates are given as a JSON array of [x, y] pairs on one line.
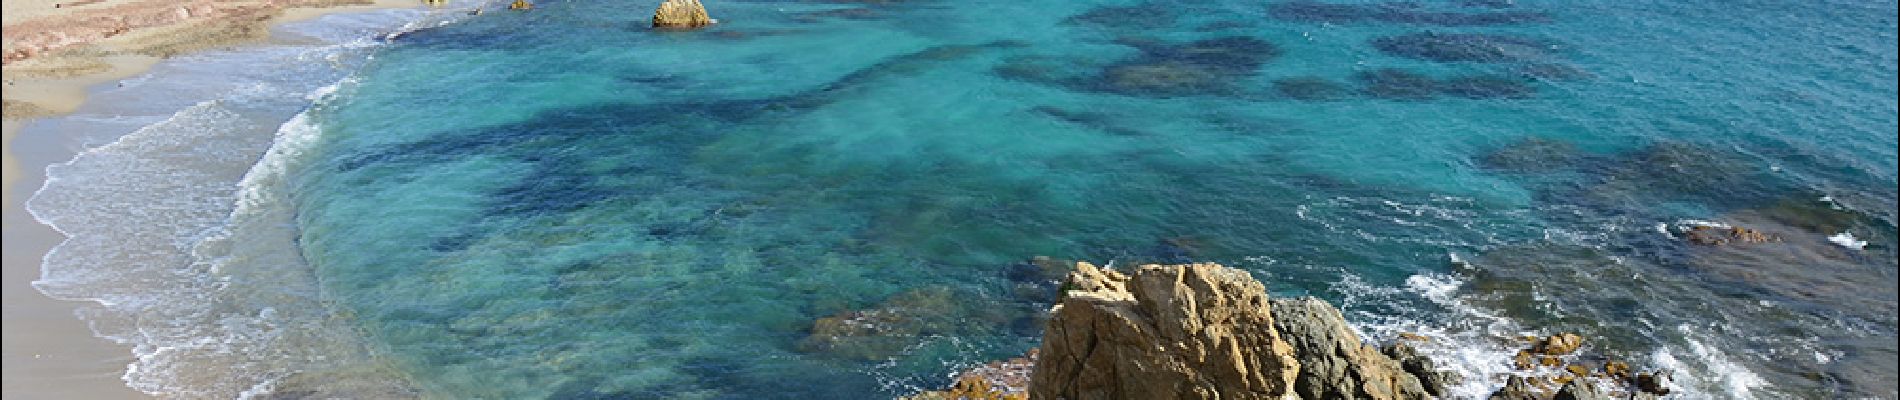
[[562, 203]]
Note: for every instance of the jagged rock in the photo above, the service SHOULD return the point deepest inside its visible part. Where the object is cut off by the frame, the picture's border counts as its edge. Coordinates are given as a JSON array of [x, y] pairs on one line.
[[681, 14], [1714, 236], [1436, 382], [1334, 363], [1517, 388], [1578, 370], [1655, 383], [1001, 380], [1199, 331], [1581, 389], [1559, 344], [1616, 369]]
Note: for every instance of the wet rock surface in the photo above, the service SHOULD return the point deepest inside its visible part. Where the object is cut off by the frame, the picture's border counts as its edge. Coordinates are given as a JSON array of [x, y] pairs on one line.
[[1335, 363]]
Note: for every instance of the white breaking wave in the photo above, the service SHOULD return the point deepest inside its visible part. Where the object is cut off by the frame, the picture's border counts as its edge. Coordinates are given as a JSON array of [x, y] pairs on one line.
[[1847, 239], [181, 231], [1479, 343]]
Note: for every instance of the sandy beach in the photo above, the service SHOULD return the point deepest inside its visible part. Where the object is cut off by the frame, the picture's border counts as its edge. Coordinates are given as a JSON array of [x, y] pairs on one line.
[[54, 52]]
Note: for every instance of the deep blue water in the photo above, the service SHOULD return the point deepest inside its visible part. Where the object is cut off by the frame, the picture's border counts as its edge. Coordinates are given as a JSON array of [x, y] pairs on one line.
[[562, 203]]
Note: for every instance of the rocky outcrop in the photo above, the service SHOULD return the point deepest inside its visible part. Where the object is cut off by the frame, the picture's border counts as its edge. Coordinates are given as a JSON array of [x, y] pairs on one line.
[[1435, 381], [1516, 388], [1203, 331], [1581, 389], [1001, 380], [1198, 331], [1335, 364], [1553, 362], [681, 14], [1716, 236]]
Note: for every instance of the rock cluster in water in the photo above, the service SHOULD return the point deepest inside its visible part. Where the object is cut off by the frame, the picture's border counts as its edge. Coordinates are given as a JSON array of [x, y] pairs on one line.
[[1550, 362], [1200, 331], [681, 14], [1204, 331]]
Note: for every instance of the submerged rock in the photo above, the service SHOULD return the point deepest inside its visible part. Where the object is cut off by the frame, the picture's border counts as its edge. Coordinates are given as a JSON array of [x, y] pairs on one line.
[[1161, 69], [1533, 154], [1462, 47], [1210, 66], [1401, 12], [681, 14], [1334, 363], [1152, 15], [1162, 78], [1398, 84], [1311, 88], [894, 325], [1167, 332], [1487, 87]]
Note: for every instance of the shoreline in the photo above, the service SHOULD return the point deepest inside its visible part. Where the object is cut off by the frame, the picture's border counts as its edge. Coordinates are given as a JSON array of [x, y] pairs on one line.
[[50, 352]]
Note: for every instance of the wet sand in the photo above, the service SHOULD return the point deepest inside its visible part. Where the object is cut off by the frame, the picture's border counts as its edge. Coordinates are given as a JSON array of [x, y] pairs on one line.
[[48, 352]]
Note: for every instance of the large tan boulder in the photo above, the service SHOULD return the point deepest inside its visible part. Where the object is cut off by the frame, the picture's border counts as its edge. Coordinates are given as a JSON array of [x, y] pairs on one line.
[[1199, 331], [681, 14]]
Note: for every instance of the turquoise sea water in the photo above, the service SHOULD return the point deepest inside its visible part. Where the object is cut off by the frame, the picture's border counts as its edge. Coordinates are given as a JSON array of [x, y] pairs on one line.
[[563, 203]]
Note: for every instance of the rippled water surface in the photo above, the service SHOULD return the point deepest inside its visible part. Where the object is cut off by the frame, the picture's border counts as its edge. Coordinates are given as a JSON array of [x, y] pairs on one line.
[[562, 203]]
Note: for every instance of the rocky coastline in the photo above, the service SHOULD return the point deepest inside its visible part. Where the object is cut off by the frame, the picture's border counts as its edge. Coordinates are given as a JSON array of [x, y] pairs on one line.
[[1206, 331]]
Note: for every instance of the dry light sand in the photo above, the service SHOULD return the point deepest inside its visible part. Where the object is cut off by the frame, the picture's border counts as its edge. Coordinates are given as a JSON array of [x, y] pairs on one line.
[[53, 52]]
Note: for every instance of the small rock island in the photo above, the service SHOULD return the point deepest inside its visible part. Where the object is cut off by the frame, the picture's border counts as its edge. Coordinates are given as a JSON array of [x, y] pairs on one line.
[[681, 14]]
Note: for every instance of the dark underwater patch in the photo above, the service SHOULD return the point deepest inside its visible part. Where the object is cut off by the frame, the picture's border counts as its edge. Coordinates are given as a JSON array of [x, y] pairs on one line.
[[1487, 87], [1149, 15], [1397, 84], [1496, 4], [1396, 12], [849, 13], [1162, 69], [1552, 72], [1093, 120], [1312, 88], [1463, 47], [1533, 154]]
